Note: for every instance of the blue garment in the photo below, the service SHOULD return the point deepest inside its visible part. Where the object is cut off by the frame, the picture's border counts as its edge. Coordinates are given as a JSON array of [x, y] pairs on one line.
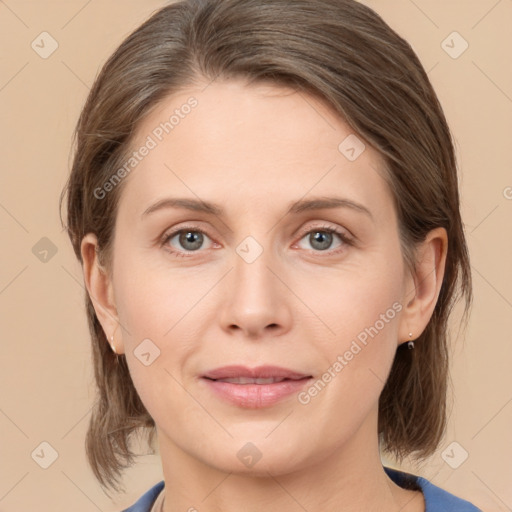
[[436, 499], [146, 501]]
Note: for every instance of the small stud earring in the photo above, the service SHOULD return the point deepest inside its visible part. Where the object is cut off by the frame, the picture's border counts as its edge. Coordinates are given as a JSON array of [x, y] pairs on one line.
[[410, 344], [112, 344]]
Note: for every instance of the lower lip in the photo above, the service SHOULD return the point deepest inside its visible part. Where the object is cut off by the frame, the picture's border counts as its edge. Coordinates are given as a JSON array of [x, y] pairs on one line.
[[255, 396]]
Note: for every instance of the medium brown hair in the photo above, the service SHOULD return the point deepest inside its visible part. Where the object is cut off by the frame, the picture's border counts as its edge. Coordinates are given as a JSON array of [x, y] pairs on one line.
[[339, 51]]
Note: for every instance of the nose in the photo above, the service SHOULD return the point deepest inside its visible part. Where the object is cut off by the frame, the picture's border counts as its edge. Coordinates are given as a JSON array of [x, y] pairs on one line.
[[257, 299]]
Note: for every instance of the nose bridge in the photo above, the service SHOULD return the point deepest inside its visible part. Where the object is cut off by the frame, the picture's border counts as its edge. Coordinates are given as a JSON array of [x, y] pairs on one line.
[[255, 295], [252, 276]]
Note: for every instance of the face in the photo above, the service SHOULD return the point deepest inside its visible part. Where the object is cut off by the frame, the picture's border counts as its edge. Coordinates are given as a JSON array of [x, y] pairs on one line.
[[316, 289]]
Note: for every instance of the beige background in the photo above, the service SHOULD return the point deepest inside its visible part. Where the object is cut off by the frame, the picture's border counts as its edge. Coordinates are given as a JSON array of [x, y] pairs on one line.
[[46, 378]]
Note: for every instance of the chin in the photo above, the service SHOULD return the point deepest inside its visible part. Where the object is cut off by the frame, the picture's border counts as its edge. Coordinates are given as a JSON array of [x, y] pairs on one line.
[[257, 456]]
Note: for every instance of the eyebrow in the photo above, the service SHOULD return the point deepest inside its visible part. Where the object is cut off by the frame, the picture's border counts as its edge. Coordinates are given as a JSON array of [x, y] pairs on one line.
[[317, 203]]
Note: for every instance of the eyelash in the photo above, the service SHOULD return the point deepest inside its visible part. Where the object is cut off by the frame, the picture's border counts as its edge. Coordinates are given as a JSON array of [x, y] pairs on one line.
[[183, 254]]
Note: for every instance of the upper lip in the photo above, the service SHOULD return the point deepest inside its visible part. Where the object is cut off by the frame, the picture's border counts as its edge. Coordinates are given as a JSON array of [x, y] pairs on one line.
[[259, 372]]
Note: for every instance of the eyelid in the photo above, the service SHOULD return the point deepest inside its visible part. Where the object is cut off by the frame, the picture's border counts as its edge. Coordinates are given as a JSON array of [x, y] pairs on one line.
[[346, 237], [324, 225], [172, 232]]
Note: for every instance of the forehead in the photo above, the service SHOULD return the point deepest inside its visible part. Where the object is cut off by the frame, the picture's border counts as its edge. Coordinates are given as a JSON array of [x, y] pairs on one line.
[[250, 146]]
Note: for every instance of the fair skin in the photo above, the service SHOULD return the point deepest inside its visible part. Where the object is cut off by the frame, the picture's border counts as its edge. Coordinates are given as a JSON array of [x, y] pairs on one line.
[[253, 150]]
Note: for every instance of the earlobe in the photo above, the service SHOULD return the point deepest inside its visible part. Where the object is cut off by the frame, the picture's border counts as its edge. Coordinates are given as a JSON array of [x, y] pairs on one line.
[[425, 283], [99, 287]]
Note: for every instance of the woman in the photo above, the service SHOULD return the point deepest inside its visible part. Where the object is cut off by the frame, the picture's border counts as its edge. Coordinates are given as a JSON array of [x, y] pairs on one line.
[[264, 201]]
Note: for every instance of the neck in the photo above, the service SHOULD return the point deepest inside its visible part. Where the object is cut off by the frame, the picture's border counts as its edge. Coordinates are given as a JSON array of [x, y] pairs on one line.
[[350, 478]]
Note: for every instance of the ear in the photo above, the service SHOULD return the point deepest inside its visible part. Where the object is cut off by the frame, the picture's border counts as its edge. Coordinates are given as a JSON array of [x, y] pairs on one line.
[[100, 289], [423, 285]]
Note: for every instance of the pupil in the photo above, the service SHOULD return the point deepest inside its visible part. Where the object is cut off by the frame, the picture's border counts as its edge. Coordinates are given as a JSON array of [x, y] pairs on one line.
[[189, 237], [324, 238]]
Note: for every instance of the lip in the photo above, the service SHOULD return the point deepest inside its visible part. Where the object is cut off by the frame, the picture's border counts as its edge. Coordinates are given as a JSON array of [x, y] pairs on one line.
[[263, 372], [254, 396]]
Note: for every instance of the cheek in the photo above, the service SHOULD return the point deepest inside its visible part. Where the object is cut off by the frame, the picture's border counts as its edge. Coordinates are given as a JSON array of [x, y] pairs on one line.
[[360, 313], [357, 358], [352, 303], [152, 300], [158, 309], [153, 309]]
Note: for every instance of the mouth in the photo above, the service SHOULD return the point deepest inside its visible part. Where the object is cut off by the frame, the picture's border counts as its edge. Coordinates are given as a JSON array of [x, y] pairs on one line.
[[250, 380], [254, 388], [258, 375]]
